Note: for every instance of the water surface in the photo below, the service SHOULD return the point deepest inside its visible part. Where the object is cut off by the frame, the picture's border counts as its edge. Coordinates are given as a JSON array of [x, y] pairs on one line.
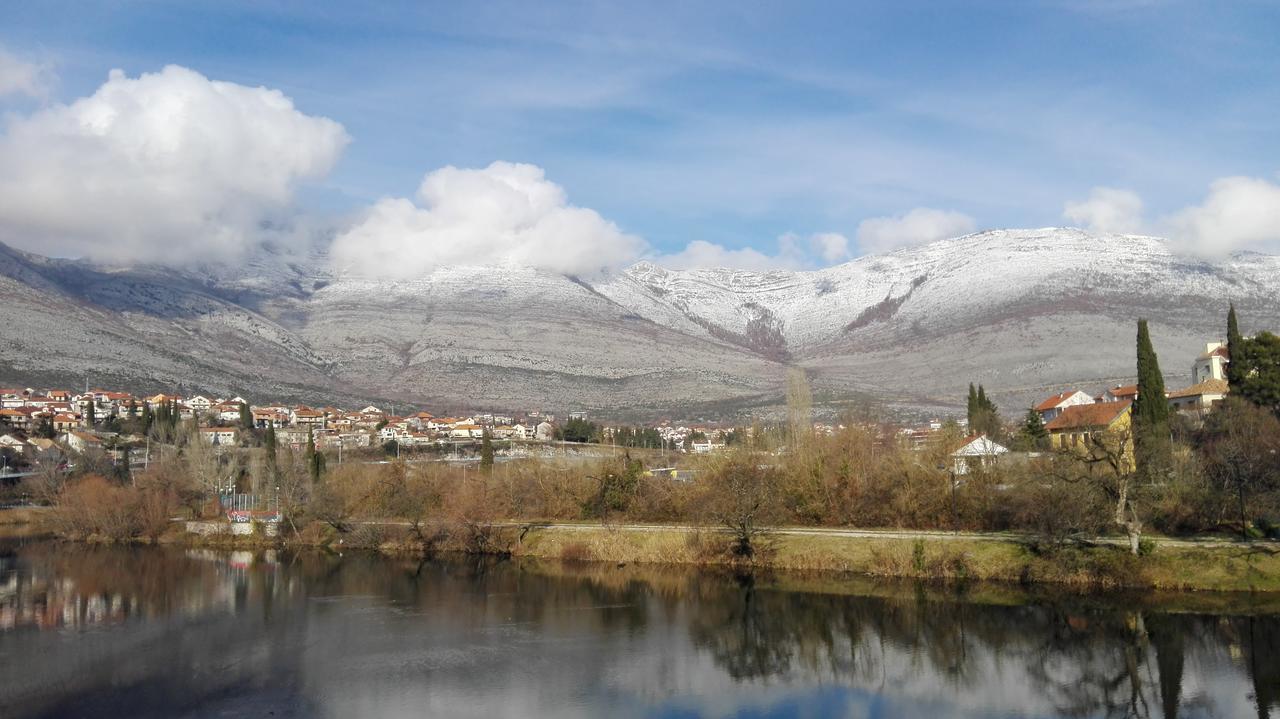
[[156, 632]]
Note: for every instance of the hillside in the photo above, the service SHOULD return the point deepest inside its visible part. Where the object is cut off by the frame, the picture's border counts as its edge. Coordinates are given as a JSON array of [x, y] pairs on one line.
[[1023, 311]]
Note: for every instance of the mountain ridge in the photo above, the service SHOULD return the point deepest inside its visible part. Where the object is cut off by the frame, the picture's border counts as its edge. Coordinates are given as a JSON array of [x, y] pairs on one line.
[[1024, 311]]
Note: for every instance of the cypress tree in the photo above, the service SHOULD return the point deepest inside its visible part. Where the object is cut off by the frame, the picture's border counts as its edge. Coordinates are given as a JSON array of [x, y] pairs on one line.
[[486, 450], [147, 418], [246, 417], [315, 460], [1235, 352], [972, 407], [1151, 408], [269, 444], [133, 409], [91, 415]]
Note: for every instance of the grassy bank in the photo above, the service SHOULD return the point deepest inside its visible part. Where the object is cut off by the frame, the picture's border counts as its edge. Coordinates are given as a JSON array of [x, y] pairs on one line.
[[1253, 567]]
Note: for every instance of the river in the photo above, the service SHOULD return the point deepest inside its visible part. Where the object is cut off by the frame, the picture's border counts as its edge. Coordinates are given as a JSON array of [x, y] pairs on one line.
[[168, 632]]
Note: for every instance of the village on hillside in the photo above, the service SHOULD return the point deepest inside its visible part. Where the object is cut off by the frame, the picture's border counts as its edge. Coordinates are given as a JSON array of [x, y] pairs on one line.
[[34, 422]]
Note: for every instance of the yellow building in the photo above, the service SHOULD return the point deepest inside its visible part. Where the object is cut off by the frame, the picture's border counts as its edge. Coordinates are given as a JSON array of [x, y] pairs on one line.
[[1080, 428]]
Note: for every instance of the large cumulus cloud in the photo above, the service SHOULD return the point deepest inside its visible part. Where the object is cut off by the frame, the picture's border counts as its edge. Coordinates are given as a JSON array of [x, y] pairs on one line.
[[505, 214], [165, 167]]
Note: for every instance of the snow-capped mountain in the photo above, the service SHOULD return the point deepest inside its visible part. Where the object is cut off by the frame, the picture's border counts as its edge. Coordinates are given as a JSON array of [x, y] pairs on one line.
[[1023, 311]]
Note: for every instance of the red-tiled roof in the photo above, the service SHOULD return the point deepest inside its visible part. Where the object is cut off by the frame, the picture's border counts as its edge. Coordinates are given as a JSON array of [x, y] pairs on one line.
[[1085, 416], [1054, 401]]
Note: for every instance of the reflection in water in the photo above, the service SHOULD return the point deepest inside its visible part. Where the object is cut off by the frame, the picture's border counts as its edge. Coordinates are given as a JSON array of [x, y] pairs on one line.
[[160, 632]]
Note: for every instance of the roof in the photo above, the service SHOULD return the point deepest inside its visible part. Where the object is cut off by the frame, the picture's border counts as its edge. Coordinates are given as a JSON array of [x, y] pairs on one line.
[[1209, 386], [1055, 400], [976, 445], [1125, 390], [1086, 416], [1219, 351]]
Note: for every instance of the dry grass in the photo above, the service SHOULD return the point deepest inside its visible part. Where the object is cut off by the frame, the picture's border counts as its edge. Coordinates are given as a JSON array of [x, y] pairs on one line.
[[1209, 568]]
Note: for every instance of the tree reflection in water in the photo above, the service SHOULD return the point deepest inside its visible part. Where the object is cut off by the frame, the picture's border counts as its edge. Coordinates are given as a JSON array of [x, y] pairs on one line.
[[314, 633]]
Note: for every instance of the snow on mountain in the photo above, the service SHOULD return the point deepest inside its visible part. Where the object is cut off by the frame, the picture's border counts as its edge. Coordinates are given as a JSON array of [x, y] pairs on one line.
[[1024, 311]]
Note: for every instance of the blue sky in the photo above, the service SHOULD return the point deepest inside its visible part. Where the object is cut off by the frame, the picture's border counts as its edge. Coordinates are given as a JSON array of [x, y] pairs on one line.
[[732, 123]]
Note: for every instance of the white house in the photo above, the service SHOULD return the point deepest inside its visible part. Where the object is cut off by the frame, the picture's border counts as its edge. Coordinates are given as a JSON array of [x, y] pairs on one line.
[[1053, 406], [1199, 397], [544, 432], [12, 443], [977, 452], [1211, 364], [200, 404], [222, 436], [81, 441]]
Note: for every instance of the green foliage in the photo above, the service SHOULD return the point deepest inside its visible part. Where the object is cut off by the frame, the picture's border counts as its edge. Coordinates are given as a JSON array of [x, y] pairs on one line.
[[246, 416], [646, 437], [45, 429], [580, 430], [91, 414], [1235, 346], [1150, 410], [486, 450], [1033, 435], [314, 459], [1259, 370], [983, 415]]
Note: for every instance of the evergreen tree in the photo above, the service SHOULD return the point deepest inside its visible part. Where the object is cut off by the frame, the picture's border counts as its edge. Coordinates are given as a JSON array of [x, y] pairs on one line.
[[269, 445], [972, 407], [246, 417], [148, 418], [1260, 370], [1235, 351], [1150, 412], [1034, 434], [45, 429], [315, 459], [133, 409], [91, 415], [486, 450]]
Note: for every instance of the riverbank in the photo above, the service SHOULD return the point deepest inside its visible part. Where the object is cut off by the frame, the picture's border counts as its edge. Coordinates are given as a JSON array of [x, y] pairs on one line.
[[1253, 567], [1172, 565]]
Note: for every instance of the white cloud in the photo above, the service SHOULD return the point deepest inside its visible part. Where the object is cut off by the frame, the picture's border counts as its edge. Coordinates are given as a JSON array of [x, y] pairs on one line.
[[919, 226], [832, 247], [701, 254], [166, 167], [794, 253], [19, 77], [504, 214], [1240, 213], [1107, 210]]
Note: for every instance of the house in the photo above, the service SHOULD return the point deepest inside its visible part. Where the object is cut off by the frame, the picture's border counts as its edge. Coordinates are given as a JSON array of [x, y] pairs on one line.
[[307, 417], [12, 443], [1076, 427], [65, 422], [466, 431], [227, 412], [200, 404], [1199, 397], [544, 432], [1211, 364], [81, 441], [294, 437], [1053, 406], [269, 417], [15, 418], [978, 452], [1119, 393], [222, 436], [372, 411]]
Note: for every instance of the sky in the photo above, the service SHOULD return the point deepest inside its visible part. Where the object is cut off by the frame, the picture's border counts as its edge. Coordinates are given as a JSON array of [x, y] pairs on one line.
[[582, 136]]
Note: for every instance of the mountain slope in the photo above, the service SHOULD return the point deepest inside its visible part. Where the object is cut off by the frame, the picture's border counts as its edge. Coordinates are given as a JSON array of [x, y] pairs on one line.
[[1023, 311]]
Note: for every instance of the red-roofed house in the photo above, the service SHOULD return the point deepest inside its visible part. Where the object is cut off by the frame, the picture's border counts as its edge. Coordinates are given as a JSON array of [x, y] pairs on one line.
[[1073, 429], [1211, 364], [1053, 406]]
